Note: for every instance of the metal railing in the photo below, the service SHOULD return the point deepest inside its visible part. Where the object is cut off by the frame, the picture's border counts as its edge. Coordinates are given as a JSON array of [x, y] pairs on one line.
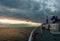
[[31, 38]]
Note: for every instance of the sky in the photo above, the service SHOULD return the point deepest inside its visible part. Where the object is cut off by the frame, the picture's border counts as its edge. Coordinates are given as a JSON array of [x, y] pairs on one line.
[[34, 10], [6, 21]]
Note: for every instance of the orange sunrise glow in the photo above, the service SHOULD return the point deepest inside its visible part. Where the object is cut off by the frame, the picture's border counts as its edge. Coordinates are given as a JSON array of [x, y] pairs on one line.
[[5, 20]]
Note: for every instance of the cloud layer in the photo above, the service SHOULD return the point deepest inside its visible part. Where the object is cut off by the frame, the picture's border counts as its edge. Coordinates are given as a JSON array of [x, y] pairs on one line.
[[34, 10]]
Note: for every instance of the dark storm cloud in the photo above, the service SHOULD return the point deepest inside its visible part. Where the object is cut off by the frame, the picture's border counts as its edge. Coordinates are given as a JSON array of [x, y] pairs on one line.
[[22, 9], [9, 3], [21, 4]]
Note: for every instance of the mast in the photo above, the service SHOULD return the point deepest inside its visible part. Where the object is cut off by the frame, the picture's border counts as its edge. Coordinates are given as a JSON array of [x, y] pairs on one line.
[[47, 20]]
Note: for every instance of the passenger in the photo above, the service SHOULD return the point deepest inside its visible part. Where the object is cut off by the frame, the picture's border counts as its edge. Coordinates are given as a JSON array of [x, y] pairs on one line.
[[42, 26], [49, 27]]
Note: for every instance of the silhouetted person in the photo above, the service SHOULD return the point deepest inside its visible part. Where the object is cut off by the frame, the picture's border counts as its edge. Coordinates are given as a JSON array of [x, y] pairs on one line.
[[43, 26], [48, 27]]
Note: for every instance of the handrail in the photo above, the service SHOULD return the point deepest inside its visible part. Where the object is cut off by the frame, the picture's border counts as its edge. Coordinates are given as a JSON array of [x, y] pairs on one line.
[[30, 38]]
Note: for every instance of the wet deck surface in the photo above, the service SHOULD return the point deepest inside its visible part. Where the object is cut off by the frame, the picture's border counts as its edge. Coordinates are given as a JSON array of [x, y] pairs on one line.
[[45, 35]]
